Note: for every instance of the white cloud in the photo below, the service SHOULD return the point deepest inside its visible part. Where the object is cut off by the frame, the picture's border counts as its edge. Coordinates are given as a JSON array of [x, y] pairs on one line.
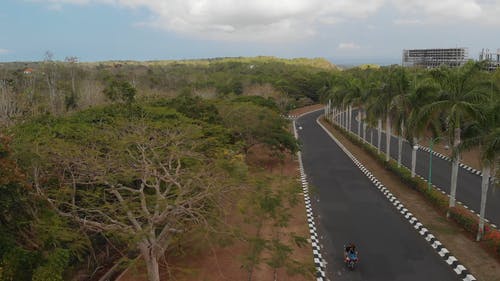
[[242, 19], [445, 11], [251, 20], [407, 21], [4, 51], [348, 46]]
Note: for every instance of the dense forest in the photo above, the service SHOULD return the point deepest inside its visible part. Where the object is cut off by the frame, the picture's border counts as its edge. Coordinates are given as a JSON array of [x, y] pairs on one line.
[[58, 87], [103, 162]]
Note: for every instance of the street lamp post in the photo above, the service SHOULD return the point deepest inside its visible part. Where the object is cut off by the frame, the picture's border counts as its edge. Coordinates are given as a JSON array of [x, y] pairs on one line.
[[414, 159]]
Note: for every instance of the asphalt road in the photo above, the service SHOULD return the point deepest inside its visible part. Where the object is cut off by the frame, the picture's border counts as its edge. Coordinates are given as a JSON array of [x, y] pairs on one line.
[[468, 184], [351, 209]]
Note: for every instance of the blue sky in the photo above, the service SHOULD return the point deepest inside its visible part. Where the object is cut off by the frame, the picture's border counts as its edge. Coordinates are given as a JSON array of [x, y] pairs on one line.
[[342, 30]]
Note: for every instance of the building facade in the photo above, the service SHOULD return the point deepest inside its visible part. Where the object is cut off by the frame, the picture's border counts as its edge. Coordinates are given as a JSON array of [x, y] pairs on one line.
[[432, 58], [491, 59]]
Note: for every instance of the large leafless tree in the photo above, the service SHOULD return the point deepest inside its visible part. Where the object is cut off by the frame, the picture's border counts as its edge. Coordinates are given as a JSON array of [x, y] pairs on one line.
[[150, 185]]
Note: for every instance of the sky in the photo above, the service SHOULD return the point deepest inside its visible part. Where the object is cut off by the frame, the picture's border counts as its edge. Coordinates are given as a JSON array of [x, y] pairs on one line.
[[344, 31]]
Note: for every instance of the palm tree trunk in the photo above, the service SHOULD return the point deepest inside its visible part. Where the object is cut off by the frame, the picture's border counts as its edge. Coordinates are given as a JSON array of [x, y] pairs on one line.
[[364, 125], [350, 117], [359, 122], [400, 142], [388, 131], [414, 157], [342, 117], [485, 182], [345, 118], [454, 167], [379, 137]]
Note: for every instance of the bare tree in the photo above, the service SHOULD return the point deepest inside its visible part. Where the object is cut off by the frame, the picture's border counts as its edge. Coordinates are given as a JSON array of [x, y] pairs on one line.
[[9, 106], [51, 77], [72, 61], [91, 93], [151, 185]]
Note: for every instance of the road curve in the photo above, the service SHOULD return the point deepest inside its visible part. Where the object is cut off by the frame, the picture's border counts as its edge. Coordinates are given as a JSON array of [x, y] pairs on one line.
[[350, 208]]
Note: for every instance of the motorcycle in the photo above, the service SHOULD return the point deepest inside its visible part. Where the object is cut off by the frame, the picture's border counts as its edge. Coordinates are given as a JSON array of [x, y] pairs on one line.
[[351, 259]]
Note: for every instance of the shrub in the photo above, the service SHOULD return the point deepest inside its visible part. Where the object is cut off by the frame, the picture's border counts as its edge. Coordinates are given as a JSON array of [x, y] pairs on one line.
[[17, 264], [493, 239], [468, 221], [53, 269]]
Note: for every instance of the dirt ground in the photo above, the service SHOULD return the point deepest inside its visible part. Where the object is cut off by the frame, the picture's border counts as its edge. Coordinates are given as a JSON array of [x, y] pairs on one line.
[[305, 109], [216, 263], [480, 263]]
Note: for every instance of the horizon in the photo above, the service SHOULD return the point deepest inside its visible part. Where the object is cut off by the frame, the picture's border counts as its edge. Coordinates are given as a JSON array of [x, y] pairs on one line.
[[356, 32], [339, 62]]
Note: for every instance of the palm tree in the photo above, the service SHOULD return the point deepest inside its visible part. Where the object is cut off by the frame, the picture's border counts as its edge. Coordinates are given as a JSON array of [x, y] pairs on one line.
[[460, 94], [343, 94], [381, 104], [400, 104], [354, 96], [484, 133], [336, 95], [423, 91], [359, 90], [375, 109]]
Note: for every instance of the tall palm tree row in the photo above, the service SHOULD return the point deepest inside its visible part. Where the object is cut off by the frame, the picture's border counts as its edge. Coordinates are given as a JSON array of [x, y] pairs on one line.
[[460, 96], [458, 105], [483, 132]]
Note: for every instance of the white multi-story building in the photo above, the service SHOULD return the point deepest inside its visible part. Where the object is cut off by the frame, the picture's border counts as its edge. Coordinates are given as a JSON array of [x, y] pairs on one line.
[[431, 58]]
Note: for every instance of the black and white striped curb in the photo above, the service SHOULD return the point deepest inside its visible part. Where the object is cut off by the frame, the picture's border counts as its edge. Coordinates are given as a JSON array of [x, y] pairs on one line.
[[438, 188], [459, 269], [437, 154], [462, 165], [319, 262], [459, 202]]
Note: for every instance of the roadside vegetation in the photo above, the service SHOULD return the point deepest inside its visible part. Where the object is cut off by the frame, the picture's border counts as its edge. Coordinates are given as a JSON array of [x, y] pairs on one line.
[[59, 87], [456, 106], [101, 165]]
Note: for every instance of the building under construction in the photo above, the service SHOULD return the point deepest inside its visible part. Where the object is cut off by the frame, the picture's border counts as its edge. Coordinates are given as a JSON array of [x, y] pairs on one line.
[[431, 58], [491, 59]]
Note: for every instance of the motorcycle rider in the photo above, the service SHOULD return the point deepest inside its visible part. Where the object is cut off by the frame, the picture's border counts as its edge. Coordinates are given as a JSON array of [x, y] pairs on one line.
[[350, 251]]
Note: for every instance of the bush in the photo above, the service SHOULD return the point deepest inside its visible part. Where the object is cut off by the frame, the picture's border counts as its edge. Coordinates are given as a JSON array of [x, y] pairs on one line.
[[17, 264], [468, 221], [53, 269], [493, 239]]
